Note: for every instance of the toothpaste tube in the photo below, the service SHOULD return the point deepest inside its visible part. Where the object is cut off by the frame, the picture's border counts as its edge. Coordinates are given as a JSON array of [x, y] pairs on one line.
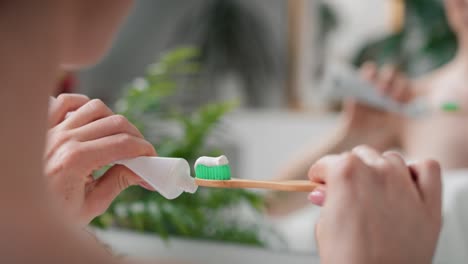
[[342, 82]]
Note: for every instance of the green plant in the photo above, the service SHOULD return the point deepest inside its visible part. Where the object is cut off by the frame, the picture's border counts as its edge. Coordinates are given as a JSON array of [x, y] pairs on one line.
[[206, 214], [425, 42]]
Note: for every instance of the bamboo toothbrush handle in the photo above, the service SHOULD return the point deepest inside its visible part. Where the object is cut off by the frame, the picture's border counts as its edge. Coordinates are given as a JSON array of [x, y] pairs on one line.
[[288, 186]]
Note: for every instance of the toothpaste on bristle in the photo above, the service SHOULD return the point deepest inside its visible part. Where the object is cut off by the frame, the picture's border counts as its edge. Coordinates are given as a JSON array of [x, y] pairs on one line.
[[212, 161]]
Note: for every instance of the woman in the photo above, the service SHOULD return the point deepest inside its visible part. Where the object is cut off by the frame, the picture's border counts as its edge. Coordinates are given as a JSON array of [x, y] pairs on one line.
[[375, 209]]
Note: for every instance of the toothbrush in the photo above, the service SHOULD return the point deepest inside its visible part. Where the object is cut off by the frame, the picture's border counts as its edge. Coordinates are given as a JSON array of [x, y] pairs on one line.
[[216, 173], [342, 81]]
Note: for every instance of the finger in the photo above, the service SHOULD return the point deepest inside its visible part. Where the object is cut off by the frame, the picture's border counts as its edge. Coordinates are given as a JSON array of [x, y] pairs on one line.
[[369, 71], [104, 127], [63, 104], [428, 179], [97, 153], [399, 166], [91, 111], [349, 108], [319, 171], [387, 79], [338, 170], [395, 159], [104, 190], [401, 90], [397, 91], [407, 93], [368, 155]]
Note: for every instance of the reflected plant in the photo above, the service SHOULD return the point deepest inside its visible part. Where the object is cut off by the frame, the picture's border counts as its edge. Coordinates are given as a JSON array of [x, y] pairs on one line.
[[208, 214], [434, 45]]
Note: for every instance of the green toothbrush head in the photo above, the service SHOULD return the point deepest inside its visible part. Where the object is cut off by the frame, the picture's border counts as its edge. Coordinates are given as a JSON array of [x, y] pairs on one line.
[[450, 107], [210, 168], [220, 173]]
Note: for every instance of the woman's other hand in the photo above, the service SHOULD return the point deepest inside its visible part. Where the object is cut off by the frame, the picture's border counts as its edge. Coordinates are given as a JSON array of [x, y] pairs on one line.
[[363, 124]]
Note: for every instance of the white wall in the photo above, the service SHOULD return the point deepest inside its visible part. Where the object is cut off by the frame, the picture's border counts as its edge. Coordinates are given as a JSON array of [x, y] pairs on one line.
[[267, 140]]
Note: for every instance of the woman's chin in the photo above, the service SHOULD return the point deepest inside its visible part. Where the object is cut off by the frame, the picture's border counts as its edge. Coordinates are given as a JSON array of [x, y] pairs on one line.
[[84, 59]]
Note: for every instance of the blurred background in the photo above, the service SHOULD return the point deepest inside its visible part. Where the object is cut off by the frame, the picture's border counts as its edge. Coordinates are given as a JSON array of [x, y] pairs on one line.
[[242, 78]]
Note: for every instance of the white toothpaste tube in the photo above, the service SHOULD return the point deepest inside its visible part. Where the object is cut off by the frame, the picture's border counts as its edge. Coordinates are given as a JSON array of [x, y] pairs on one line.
[[168, 176], [342, 81]]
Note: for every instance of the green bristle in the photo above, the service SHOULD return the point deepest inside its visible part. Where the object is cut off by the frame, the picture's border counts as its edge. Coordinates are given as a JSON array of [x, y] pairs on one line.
[[222, 172], [450, 107]]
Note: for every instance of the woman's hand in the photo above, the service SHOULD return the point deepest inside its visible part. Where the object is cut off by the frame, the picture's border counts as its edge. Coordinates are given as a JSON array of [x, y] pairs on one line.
[[367, 125], [89, 138], [377, 209], [360, 124]]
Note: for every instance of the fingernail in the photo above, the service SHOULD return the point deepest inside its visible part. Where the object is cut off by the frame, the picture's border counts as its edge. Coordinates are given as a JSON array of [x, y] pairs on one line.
[[317, 197]]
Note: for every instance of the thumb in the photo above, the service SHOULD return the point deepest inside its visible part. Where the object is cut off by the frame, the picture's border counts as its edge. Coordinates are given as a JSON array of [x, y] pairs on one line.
[[353, 109], [317, 235], [349, 107], [106, 188]]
